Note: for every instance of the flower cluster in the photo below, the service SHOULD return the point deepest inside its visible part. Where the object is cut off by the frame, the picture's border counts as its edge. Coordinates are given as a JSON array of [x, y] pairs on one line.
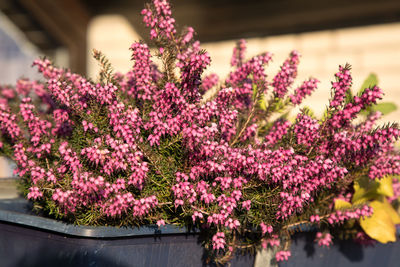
[[302, 91], [324, 239], [151, 147], [285, 77]]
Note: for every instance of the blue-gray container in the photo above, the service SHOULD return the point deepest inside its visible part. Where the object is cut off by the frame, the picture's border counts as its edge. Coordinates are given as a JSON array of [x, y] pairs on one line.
[[30, 240]]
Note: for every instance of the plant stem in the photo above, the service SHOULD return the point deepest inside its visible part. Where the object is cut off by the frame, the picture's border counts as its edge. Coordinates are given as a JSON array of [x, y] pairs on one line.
[[249, 118]]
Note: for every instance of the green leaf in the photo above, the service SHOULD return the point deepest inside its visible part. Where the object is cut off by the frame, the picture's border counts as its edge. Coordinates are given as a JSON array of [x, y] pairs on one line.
[[254, 91], [349, 96], [385, 108], [369, 82], [308, 111], [325, 115], [279, 104], [380, 225], [262, 103], [285, 116], [341, 204], [385, 186]]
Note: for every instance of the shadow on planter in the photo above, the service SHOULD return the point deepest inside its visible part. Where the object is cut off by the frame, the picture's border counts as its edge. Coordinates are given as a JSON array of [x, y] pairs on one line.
[[29, 240], [305, 252]]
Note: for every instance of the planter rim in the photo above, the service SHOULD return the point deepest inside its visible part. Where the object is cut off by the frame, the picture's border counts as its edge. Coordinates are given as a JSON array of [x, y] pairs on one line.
[[17, 211]]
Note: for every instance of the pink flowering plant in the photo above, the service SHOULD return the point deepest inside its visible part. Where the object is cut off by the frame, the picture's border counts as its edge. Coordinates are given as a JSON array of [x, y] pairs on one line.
[[164, 144]]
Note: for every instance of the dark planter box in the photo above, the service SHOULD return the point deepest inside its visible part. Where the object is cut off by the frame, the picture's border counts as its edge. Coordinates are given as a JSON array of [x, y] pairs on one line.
[[29, 240], [306, 253]]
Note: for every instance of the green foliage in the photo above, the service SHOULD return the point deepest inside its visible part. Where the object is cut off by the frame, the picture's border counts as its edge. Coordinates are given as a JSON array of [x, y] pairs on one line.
[[385, 107], [173, 154], [106, 71], [308, 111], [263, 102], [369, 82]]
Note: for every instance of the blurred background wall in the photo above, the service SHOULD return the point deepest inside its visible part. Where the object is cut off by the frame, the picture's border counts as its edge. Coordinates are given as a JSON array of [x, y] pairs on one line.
[[16, 56], [369, 49], [327, 33]]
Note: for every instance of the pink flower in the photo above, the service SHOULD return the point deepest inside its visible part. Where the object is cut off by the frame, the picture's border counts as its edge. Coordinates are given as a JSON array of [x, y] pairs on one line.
[[246, 204], [229, 160], [197, 214], [323, 239], [238, 53], [314, 218], [34, 193], [160, 222], [340, 87], [278, 130], [286, 75], [282, 255], [305, 89], [266, 228], [218, 241]]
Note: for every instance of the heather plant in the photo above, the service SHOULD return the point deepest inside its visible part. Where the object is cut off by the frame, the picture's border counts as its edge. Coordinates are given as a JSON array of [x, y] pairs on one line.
[[164, 144]]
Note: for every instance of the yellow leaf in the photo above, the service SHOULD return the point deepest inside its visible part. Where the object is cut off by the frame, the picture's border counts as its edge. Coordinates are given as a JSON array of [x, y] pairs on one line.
[[385, 186], [341, 204], [365, 189], [379, 226], [392, 212], [359, 194]]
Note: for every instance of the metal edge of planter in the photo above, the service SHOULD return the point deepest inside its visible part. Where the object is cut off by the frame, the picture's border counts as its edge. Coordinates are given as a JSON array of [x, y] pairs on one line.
[[33, 221], [16, 215]]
